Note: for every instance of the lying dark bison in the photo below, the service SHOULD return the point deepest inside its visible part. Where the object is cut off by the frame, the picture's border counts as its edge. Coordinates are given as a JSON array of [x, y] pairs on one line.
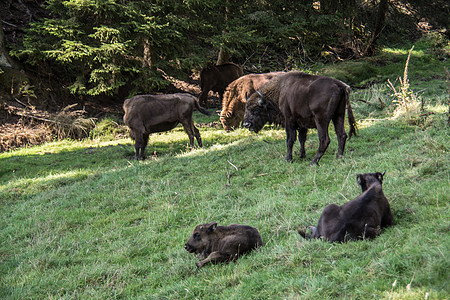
[[222, 243], [216, 78], [145, 114], [360, 218], [303, 101], [234, 98]]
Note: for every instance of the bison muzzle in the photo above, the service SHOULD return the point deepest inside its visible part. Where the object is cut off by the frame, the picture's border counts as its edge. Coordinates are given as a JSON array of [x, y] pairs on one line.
[[222, 243]]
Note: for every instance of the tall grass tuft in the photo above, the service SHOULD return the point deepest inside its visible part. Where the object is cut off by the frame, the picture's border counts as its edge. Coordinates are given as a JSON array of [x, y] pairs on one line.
[[407, 104], [72, 124]]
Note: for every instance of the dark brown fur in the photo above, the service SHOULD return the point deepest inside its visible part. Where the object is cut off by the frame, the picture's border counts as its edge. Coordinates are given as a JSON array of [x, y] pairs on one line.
[[145, 114], [222, 243], [360, 218], [216, 78], [303, 101], [234, 98]]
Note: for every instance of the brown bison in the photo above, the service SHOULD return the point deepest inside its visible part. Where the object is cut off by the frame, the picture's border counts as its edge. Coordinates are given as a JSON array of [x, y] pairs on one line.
[[145, 114], [302, 101], [222, 243], [216, 78], [234, 98], [360, 218]]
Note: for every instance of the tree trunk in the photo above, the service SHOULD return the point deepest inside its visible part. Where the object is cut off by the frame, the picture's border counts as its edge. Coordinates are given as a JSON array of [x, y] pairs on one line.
[[379, 25], [224, 56], [5, 60]]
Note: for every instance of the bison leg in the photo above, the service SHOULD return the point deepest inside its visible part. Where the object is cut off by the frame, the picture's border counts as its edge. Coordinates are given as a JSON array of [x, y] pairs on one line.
[[324, 140], [340, 133], [291, 136], [213, 258], [302, 134], [188, 127], [197, 135], [371, 231], [203, 98], [141, 140]]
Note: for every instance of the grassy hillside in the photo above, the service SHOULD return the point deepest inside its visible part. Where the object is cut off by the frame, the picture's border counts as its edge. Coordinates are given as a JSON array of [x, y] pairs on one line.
[[81, 220]]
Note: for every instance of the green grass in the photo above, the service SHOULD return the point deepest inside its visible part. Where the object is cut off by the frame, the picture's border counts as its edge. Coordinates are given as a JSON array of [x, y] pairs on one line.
[[81, 220]]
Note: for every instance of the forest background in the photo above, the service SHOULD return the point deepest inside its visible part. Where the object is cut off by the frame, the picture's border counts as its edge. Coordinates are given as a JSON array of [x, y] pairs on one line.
[[79, 50]]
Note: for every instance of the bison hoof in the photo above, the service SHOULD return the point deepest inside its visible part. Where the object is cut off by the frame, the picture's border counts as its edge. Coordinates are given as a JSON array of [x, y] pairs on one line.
[[199, 265], [314, 163]]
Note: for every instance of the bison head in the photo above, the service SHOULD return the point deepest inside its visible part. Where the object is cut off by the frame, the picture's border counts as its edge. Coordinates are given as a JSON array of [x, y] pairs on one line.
[[259, 111], [200, 239], [229, 120], [366, 180]]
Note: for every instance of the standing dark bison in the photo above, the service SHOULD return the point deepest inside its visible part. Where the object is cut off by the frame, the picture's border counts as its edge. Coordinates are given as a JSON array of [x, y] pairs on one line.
[[216, 78], [362, 217], [145, 114], [234, 98], [222, 243], [303, 101]]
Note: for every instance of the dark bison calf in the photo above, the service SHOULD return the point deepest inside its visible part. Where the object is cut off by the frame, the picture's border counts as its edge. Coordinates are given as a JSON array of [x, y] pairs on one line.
[[216, 78], [145, 114], [360, 218], [222, 243]]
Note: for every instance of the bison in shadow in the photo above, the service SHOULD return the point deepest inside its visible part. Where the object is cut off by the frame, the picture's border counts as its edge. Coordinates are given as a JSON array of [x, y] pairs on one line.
[[360, 218], [216, 78], [222, 243], [146, 114], [301, 101], [234, 98]]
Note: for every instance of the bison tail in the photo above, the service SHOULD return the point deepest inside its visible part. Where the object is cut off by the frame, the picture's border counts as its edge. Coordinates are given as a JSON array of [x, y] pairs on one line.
[[351, 117], [201, 109]]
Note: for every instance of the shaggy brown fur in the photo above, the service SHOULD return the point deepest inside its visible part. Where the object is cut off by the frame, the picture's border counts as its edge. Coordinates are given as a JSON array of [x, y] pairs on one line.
[[145, 114], [303, 101], [222, 243], [363, 217], [234, 98]]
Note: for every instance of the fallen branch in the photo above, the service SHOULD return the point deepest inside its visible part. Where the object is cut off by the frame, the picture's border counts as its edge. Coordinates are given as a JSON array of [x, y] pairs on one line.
[[362, 100], [232, 165], [23, 113]]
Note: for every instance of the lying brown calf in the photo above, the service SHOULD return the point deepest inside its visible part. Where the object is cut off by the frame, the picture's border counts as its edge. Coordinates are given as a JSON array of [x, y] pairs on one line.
[[222, 243], [362, 217]]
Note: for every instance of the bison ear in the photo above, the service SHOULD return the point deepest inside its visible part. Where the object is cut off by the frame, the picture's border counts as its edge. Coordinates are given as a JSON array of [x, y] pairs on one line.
[[359, 178], [380, 176], [211, 227]]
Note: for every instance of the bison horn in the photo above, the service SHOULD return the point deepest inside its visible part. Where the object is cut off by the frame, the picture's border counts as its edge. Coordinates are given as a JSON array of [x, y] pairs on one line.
[[261, 100], [246, 96]]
